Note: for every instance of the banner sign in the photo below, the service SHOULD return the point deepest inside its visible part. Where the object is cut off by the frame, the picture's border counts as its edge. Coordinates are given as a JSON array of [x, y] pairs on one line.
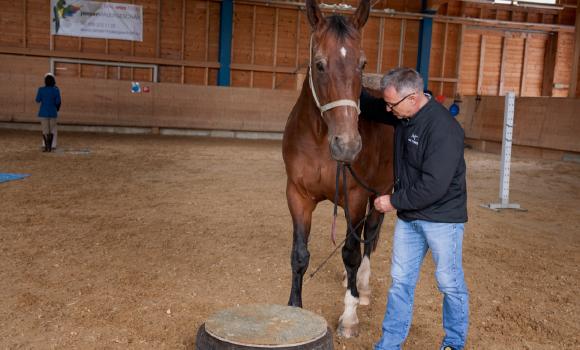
[[107, 20]]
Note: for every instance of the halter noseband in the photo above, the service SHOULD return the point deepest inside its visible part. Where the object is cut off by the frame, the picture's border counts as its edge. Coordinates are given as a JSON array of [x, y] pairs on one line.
[[330, 105]]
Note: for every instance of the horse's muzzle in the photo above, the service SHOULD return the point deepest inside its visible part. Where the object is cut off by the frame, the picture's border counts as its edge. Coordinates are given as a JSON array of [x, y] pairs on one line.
[[345, 149]]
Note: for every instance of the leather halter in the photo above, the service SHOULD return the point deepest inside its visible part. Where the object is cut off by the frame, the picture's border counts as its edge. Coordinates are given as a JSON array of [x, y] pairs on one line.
[[330, 105]]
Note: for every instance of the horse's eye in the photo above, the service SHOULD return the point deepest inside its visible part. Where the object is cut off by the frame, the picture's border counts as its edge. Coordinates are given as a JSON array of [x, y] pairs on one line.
[[320, 66]]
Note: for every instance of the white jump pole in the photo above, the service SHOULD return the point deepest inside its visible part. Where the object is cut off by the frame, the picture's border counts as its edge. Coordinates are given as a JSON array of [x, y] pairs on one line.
[[506, 155]]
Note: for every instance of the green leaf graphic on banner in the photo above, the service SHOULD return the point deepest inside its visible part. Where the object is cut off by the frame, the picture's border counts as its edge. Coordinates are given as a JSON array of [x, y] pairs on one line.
[[62, 10]]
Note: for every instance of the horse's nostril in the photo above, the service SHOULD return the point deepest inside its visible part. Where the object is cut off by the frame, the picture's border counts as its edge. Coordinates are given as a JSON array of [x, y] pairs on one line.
[[336, 143], [345, 149]]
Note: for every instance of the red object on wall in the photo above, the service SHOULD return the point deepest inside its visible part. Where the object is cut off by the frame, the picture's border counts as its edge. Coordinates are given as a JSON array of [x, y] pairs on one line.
[[440, 98]]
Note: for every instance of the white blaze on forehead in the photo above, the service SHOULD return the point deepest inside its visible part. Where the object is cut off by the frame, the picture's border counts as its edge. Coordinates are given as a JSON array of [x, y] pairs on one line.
[[343, 51]]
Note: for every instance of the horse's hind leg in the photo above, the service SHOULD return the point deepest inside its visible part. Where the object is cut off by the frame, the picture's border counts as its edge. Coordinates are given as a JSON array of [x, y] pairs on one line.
[[301, 210], [371, 231]]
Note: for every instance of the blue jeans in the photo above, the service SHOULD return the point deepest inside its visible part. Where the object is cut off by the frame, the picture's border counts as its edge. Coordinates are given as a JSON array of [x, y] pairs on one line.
[[411, 241]]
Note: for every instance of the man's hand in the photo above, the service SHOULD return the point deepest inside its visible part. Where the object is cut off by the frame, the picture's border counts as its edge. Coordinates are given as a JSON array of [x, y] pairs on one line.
[[383, 204]]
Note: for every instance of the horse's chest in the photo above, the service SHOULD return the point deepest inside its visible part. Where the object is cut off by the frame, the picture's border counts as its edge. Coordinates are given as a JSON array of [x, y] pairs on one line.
[[317, 178]]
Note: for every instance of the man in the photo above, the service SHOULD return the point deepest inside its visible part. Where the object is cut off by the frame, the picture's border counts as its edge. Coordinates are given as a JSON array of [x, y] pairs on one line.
[[430, 199]]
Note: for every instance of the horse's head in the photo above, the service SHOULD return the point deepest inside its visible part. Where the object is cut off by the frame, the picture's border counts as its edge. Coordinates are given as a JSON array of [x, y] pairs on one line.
[[336, 64]]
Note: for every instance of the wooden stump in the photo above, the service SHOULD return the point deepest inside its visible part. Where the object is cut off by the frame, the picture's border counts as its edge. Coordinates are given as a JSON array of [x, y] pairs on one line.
[[264, 327]]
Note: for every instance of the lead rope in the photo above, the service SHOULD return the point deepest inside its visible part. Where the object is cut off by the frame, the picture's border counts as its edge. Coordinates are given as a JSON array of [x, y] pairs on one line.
[[369, 210], [340, 168], [333, 228]]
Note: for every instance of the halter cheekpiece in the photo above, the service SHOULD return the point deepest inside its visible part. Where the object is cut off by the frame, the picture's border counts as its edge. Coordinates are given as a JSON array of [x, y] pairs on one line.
[[330, 105]]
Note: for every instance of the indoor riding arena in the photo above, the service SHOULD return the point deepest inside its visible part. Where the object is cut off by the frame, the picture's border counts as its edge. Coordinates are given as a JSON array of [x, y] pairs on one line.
[[162, 198]]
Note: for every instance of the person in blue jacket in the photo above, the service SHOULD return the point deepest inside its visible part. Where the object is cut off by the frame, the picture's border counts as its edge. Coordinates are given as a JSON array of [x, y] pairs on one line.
[[49, 98], [430, 200]]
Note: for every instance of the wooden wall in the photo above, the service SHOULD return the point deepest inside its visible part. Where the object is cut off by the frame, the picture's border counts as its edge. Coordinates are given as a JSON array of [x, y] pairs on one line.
[[494, 62], [90, 101], [543, 127], [270, 44], [180, 36], [444, 61]]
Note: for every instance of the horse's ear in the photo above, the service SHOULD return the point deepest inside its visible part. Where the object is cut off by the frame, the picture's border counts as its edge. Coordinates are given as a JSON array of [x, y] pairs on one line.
[[361, 15], [315, 16]]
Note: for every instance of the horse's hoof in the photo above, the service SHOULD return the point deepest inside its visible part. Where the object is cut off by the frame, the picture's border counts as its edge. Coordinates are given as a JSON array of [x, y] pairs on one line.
[[347, 331]]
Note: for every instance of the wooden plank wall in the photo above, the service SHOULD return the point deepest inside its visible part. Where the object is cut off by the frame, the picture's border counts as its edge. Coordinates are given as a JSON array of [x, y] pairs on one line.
[[563, 67], [270, 44], [444, 61], [575, 85], [494, 62], [90, 101], [537, 131], [180, 36]]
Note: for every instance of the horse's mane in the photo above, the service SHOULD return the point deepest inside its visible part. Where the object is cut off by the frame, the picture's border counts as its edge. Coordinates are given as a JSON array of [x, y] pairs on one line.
[[341, 27]]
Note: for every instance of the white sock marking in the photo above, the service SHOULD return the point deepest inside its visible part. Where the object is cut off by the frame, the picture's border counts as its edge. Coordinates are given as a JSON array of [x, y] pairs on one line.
[[364, 274], [349, 317]]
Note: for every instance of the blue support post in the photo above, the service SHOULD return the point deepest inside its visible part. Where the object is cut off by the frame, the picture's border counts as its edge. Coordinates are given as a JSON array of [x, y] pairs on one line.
[[225, 48], [424, 52]]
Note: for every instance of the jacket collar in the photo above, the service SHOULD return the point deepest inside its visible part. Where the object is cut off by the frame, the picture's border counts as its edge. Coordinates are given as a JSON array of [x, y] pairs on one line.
[[420, 113]]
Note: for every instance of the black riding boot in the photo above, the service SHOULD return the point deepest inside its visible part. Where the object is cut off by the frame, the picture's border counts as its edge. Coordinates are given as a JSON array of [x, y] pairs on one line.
[[49, 137], [45, 138]]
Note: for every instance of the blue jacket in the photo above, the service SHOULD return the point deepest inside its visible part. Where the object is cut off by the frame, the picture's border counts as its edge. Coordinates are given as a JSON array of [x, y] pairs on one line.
[[49, 99]]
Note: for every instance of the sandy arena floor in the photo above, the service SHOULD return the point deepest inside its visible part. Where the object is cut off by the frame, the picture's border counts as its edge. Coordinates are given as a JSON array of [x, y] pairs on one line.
[[131, 242]]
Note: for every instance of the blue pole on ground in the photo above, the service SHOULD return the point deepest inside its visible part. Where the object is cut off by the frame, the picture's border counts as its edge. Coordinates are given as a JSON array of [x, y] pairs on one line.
[[225, 44]]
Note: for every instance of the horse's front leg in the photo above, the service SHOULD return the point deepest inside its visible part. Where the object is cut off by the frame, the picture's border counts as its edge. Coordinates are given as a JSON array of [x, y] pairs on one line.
[[301, 209], [351, 256], [363, 276], [371, 232]]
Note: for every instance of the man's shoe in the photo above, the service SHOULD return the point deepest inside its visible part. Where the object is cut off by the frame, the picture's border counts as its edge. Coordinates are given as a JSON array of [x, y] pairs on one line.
[[45, 138], [447, 347], [49, 140]]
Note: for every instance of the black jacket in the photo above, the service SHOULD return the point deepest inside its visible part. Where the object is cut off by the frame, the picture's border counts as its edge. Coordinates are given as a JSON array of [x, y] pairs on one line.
[[429, 165]]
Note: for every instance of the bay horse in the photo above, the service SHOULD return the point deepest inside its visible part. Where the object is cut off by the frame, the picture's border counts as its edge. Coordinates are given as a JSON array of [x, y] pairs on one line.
[[324, 128]]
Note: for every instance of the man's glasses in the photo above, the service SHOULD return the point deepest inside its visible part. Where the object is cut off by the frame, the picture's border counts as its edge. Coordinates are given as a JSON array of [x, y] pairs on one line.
[[393, 105]]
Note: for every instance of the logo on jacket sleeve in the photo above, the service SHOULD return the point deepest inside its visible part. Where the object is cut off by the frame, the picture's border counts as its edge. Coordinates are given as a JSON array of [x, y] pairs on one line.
[[414, 139]]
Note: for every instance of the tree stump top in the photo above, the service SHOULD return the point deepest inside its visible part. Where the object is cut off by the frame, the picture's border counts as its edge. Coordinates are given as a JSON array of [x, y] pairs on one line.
[[266, 325]]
